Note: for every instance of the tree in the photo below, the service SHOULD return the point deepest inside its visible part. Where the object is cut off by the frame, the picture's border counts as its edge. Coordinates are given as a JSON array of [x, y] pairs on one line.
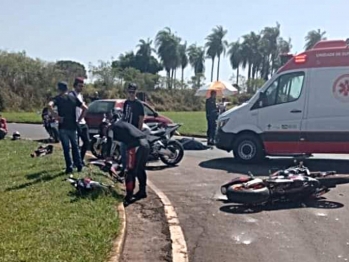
[[105, 74], [235, 58], [183, 59], [313, 37], [197, 61], [167, 45], [71, 69], [216, 46], [143, 61]]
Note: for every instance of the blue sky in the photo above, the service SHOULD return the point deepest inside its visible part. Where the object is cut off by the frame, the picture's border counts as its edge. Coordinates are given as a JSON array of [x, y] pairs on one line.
[[88, 31]]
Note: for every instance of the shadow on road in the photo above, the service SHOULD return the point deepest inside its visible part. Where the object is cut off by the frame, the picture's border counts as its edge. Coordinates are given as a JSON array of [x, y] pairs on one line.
[[241, 209], [262, 169]]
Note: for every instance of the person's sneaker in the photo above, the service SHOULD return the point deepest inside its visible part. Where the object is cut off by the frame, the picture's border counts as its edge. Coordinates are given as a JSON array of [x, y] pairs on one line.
[[140, 194], [80, 169]]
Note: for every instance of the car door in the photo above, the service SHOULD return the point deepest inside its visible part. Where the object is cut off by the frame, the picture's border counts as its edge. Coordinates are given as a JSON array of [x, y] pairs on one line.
[[281, 112], [149, 115]]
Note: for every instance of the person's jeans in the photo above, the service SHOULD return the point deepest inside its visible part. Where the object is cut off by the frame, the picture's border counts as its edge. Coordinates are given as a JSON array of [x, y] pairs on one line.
[[123, 152], [69, 137], [84, 135]]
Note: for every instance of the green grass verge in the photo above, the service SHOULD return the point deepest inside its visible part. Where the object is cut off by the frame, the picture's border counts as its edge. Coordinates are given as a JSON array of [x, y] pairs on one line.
[[22, 117], [194, 123], [42, 218]]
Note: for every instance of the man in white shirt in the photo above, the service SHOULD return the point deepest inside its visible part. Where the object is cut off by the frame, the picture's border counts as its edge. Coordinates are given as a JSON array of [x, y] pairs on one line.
[[82, 126]]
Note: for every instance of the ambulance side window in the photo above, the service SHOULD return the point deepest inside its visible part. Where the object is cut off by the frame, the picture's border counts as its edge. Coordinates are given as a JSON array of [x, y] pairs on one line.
[[287, 88]]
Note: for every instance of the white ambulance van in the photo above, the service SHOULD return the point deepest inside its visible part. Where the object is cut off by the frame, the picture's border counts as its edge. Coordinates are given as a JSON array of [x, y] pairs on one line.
[[303, 109]]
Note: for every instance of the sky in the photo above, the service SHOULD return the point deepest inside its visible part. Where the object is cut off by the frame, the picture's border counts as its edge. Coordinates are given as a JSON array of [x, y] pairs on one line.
[[87, 31]]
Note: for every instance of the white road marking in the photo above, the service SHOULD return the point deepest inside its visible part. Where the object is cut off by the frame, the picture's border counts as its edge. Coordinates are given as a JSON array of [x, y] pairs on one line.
[[179, 246]]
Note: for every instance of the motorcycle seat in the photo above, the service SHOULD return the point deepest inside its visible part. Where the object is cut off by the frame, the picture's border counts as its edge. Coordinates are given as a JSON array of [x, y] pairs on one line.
[[151, 139], [160, 132]]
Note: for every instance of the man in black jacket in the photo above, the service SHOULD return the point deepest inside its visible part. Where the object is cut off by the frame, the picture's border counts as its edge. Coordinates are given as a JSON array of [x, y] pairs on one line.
[[132, 138], [211, 117]]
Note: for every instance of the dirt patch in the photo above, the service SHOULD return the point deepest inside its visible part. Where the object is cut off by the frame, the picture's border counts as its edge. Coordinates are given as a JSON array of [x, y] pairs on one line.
[[148, 235]]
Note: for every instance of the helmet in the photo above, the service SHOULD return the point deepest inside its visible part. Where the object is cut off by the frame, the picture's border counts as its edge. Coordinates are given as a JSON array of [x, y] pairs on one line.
[[16, 135]]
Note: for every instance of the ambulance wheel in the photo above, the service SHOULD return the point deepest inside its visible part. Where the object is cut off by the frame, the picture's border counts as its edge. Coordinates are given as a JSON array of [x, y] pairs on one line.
[[248, 149]]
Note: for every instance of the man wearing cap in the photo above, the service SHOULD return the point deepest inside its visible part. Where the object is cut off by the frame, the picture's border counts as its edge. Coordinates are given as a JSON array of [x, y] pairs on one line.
[[133, 113], [82, 126], [66, 116], [133, 108]]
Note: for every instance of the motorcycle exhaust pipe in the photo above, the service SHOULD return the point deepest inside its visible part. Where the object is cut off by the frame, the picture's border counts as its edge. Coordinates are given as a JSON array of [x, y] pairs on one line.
[[165, 152]]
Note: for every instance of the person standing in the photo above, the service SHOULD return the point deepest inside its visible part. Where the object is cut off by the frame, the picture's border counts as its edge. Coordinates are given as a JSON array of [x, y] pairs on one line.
[[211, 117], [133, 113], [133, 108], [66, 116], [83, 132], [3, 127]]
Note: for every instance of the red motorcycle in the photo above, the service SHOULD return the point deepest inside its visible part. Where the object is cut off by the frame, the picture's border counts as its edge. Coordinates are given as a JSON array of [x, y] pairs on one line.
[[292, 184]]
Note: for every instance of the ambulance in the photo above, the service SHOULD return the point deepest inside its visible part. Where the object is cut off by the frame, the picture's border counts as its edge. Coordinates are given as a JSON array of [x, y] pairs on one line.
[[303, 109]]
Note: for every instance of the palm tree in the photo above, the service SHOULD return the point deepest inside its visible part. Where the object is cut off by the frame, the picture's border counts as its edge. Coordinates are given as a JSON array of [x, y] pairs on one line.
[[197, 61], [216, 46], [313, 37], [235, 57], [168, 49], [145, 48], [183, 58]]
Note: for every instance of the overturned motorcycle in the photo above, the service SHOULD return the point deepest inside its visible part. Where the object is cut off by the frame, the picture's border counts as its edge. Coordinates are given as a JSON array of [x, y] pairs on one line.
[[288, 185]]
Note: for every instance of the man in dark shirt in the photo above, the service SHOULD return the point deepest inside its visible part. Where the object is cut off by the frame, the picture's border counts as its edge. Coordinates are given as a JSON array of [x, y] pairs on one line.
[[132, 138], [133, 113], [66, 107], [133, 108], [211, 116]]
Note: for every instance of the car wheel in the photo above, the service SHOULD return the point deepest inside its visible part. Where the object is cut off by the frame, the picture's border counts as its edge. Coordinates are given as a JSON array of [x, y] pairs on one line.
[[248, 149]]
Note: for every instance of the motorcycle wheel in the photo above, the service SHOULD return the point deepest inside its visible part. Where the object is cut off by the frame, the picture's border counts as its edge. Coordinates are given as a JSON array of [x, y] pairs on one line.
[[173, 146], [333, 180], [250, 196], [94, 150]]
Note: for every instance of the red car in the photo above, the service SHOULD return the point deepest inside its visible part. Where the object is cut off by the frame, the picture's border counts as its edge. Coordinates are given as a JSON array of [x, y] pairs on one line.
[[98, 108]]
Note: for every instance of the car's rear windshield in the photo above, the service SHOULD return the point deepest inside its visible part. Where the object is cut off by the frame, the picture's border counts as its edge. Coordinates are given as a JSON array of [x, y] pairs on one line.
[[100, 107]]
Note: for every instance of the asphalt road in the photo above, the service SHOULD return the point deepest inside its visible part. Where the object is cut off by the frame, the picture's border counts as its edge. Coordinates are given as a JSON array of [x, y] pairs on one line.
[[215, 231]]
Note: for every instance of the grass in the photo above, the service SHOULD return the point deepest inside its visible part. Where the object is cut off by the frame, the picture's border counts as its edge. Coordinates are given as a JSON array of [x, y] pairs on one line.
[[194, 123], [42, 218], [23, 117]]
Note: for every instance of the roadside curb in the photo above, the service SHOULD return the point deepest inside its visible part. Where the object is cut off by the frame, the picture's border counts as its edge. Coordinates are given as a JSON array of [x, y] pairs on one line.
[[119, 242], [178, 243]]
